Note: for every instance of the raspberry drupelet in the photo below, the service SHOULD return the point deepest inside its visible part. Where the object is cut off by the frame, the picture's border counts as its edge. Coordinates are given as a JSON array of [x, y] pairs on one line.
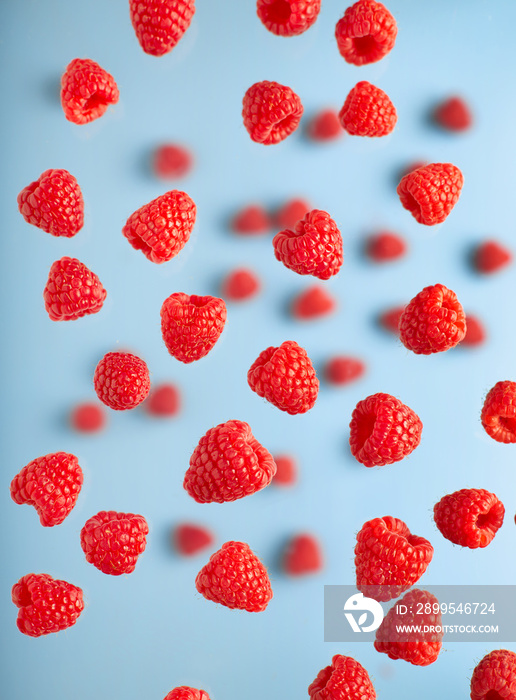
[[121, 380], [430, 192], [113, 541], [344, 679], [87, 90], [494, 677], [469, 517], [366, 33], [271, 112], [498, 414], [368, 111], [160, 24], [72, 291], [288, 17]]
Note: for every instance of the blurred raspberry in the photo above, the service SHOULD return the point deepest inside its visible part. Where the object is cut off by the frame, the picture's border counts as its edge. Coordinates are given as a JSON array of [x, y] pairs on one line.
[[385, 246], [286, 470], [271, 112], [171, 161], [164, 400], [390, 319], [475, 331], [88, 418], [453, 114], [325, 126], [313, 302], [190, 538], [303, 555], [251, 220], [491, 256], [240, 284], [342, 369], [291, 212]]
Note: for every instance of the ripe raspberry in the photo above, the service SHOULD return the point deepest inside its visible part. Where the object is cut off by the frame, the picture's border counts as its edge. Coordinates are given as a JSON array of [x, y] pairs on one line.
[[470, 517], [271, 112], [389, 559], [121, 380], [171, 161], [88, 418], [433, 321], [420, 648], [160, 24], [86, 91], [240, 284], [251, 220], [53, 203], [325, 126], [313, 302], [164, 400], [285, 377], [303, 555], [431, 192], [475, 331], [499, 412], [46, 604], [494, 677], [412, 165], [236, 578], [385, 246], [190, 539], [366, 33], [113, 541], [345, 679], [314, 247], [288, 17], [51, 484], [368, 111], [491, 256], [227, 464], [191, 325], [184, 692], [453, 115], [286, 470], [72, 291], [383, 430], [342, 369], [291, 212], [390, 319], [161, 228]]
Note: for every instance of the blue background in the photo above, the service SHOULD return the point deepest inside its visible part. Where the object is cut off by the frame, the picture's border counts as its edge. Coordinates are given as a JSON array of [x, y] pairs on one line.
[[143, 634]]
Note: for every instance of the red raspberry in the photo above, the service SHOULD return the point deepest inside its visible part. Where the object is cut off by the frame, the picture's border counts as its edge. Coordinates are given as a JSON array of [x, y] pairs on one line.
[[431, 192], [325, 126], [285, 377], [383, 430], [390, 319], [421, 610], [171, 161], [491, 256], [191, 325], [286, 470], [121, 380], [241, 284], [314, 247], [160, 24], [413, 165], [51, 484], [164, 400], [271, 112], [389, 559], [53, 203], [46, 604], [292, 212], [236, 578], [72, 291], [494, 677], [88, 418], [470, 517], [227, 464], [113, 541], [385, 246], [313, 302], [288, 17], [190, 538], [342, 369], [453, 115], [161, 228], [433, 321], [251, 220], [499, 412], [86, 91], [475, 331], [368, 111], [303, 555], [366, 33], [345, 679], [184, 692]]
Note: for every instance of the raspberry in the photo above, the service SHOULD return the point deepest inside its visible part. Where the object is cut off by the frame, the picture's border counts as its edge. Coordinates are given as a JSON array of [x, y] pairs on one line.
[[494, 677], [113, 541], [191, 325], [184, 692], [303, 555], [453, 115], [190, 538], [470, 517], [385, 246], [160, 24], [121, 380], [251, 220], [325, 126], [271, 112], [241, 284], [413, 165], [491, 256], [236, 578], [366, 33], [389, 559], [285, 377], [227, 464], [291, 212], [499, 412], [86, 91], [46, 604], [164, 400], [288, 17], [433, 321], [161, 228], [342, 369], [286, 470], [475, 331], [72, 291], [390, 319], [313, 302], [53, 203], [431, 192], [420, 648], [313, 247], [383, 430], [345, 679], [368, 111], [88, 418], [51, 484], [171, 161]]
